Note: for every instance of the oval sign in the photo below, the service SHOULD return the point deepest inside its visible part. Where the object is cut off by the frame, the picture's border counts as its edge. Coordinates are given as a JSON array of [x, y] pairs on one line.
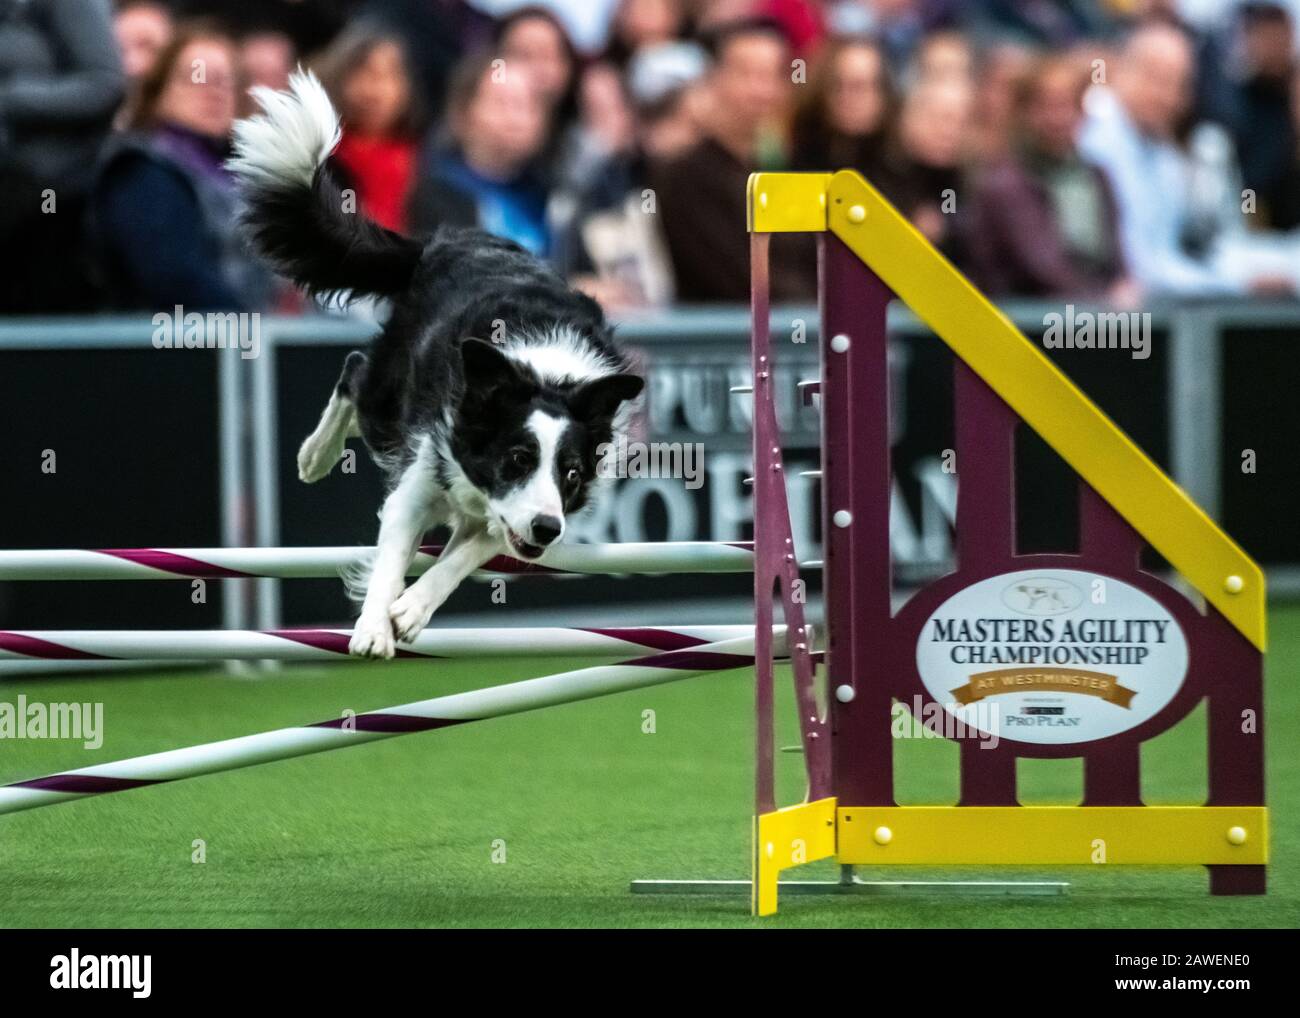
[[1052, 656]]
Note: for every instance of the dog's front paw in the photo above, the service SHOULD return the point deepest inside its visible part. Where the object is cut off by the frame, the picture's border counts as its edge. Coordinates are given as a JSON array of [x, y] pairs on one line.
[[410, 613], [372, 638]]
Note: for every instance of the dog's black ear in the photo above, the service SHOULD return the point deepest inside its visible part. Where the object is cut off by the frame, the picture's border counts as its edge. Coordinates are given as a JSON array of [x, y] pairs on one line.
[[601, 397], [486, 366]]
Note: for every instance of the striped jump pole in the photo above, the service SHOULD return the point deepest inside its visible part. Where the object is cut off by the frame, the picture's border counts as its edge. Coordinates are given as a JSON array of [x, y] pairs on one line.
[[644, 558], [355, 730], [332, 644]]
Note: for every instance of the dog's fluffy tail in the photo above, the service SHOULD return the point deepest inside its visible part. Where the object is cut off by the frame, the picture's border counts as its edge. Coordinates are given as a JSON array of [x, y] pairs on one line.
[[295, 211]]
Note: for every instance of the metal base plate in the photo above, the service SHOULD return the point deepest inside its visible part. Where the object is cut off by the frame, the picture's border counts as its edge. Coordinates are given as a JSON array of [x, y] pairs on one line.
[[858, 886]]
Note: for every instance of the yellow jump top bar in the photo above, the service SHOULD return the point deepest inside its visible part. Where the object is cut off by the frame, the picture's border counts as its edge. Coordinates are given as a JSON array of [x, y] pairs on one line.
[[1038, 391]]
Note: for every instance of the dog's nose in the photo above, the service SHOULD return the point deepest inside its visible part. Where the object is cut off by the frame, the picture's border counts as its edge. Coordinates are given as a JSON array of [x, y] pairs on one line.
[[546, 529]]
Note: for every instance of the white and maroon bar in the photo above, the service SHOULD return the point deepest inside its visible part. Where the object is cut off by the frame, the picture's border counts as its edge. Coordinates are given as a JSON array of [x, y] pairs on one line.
[[332, 644], [353, 730], [644, 558]]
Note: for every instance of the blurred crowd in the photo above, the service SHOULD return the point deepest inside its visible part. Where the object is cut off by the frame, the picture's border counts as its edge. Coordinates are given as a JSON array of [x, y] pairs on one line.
[[1110, 150]]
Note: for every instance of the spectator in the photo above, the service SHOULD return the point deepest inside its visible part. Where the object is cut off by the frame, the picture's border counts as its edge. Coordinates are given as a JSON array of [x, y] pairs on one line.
[[268, 57], [597, 163], [607, 125], [606, 108], [944, 58], [1001, 73], [142, 29], [642, 24], [1285, 213], [535, 41], [482, 168], [898, 24], [436, 35], [1263, 121], [926, 169], [670, 100], [164, 205], [309, 24], [701, 194], [1130, 132], [1214, 189], [60, 82], [1209, 28], [366, 73], [802, 22], [847, 110], [1043, 221], [1052, 24], [624, 261], [711, 16]]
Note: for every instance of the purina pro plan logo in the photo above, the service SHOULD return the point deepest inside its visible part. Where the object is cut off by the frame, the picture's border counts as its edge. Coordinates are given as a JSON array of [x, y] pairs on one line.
[[1057, 667]]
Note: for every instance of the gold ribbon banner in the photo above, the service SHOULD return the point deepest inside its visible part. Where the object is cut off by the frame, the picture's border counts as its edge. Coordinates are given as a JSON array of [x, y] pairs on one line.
[[1048, 680]]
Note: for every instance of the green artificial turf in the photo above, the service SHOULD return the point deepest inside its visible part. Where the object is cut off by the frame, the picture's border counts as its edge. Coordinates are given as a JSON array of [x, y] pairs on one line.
[[534, 820]]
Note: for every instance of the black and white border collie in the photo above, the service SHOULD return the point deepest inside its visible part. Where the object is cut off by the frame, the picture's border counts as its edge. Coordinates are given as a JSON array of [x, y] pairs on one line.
[[497, 440]]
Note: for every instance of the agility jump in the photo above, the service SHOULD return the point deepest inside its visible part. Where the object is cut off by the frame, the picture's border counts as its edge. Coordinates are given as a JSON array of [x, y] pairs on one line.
[[648, 558], [371, 726], [1056, 692], [929, 654], [325, 645]]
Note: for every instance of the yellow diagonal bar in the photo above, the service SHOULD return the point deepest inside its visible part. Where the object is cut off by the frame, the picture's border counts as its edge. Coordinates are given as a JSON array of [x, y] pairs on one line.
[[1038, 391], [788, 837], [1053, 835]]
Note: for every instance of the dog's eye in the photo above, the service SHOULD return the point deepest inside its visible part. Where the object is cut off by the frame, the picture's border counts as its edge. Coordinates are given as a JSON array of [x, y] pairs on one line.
[[520, 458], [573, 476]]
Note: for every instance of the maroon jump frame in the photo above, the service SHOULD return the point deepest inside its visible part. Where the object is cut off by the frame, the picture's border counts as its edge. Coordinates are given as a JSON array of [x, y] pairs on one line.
[[870, 649]]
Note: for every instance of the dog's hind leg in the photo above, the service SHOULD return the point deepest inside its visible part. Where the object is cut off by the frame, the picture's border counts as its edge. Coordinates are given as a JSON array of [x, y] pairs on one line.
[[324, 447]]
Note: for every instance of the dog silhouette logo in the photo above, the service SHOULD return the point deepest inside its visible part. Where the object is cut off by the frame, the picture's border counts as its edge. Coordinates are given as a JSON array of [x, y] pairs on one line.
[[1042, 595]]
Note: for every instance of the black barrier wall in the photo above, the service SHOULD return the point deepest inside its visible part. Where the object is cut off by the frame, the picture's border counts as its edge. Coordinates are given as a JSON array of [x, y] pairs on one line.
[[109, 448]]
